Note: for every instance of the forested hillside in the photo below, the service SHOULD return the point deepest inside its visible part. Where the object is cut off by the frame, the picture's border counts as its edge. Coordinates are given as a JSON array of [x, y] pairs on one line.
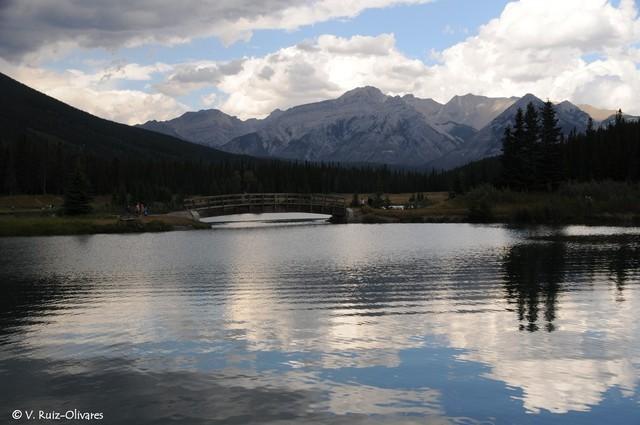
[[43, 141]]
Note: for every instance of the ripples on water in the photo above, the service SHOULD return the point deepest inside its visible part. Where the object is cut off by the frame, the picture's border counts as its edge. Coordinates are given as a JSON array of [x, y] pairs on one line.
[[343, 324]]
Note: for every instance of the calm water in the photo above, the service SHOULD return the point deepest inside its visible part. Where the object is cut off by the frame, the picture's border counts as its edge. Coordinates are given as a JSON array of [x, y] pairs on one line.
[[337, 324]]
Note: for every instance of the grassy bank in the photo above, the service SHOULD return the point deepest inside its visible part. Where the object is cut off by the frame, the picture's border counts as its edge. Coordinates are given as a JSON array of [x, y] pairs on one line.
[[579, 203], [29, 225], [439, 208], [599, 203], [39, 215], [574, 203]]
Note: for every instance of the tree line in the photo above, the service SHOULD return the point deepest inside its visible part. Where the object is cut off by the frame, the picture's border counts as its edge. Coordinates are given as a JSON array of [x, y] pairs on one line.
[[532, 150], [39, 165], [538, 157]]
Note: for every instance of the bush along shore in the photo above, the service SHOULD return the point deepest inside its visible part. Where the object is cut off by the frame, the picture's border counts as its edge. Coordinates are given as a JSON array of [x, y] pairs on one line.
[[581, 203], [38, 225], [598, 203]]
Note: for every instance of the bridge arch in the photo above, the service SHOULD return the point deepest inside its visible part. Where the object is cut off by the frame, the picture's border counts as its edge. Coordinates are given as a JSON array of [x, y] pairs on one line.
[[258, 203]]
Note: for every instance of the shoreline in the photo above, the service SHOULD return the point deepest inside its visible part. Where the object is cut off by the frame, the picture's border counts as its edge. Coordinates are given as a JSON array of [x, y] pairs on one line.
[[29, 225], [375, 216], [592, 204]]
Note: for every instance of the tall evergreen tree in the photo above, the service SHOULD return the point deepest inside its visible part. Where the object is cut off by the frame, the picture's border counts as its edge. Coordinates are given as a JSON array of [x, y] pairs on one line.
[[619, 117], [10, 185], [590, 125], [519, 155], [77, 199], [550, 165], [509, 166], [531, 146]]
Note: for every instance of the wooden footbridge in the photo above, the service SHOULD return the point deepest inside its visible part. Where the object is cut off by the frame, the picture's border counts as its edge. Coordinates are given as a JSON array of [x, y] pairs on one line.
[[257, 203]]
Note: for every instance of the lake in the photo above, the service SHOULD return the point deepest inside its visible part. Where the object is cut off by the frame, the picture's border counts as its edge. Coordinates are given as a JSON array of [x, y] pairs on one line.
[[325, 324]]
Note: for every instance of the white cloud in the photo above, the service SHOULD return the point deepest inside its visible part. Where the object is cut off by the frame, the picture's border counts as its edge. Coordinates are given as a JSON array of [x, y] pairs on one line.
[[539, 46], [449, 30], [130, 71], [125, 106], [185, 78], [319, 69], [98, 93], [209, 100], [31, 29], [536, 46]]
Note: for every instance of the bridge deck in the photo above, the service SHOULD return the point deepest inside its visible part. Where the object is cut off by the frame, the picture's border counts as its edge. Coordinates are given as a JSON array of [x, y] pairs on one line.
[[207, 206]]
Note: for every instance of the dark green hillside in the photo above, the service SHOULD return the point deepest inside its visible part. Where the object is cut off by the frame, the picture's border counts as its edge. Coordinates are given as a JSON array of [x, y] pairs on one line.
[[25, 112], [44, 141]]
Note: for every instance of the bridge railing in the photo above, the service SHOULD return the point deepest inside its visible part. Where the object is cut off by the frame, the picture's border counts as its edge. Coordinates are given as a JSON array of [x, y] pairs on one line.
[[264, 199]]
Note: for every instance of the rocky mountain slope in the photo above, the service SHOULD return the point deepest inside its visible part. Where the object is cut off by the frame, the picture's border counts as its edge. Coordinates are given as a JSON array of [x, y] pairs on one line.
[[209, 127], [366, 126], [488, 141], [597, 114], [472, 110], [362, 125]]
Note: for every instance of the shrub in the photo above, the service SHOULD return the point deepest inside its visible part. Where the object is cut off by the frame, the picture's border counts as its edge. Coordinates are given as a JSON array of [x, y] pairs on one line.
[[480, 211]]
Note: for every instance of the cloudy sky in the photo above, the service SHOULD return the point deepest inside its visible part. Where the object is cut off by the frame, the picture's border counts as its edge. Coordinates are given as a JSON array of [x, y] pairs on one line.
[[155, 59]]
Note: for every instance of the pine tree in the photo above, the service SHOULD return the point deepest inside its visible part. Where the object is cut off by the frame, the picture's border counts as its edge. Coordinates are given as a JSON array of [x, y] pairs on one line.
[[76, 195], [509, 166], [531, 147], [458, 183], [519, 160], [10, 180], [619, 117], [549, 167]]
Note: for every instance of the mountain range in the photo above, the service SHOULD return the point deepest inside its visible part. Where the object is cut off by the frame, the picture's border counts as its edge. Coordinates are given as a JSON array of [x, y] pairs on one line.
[[366, 126]]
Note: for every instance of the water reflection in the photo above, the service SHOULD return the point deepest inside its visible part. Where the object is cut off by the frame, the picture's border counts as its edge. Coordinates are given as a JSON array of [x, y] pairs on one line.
[[325, 324], [534, 273], [533, 276]]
